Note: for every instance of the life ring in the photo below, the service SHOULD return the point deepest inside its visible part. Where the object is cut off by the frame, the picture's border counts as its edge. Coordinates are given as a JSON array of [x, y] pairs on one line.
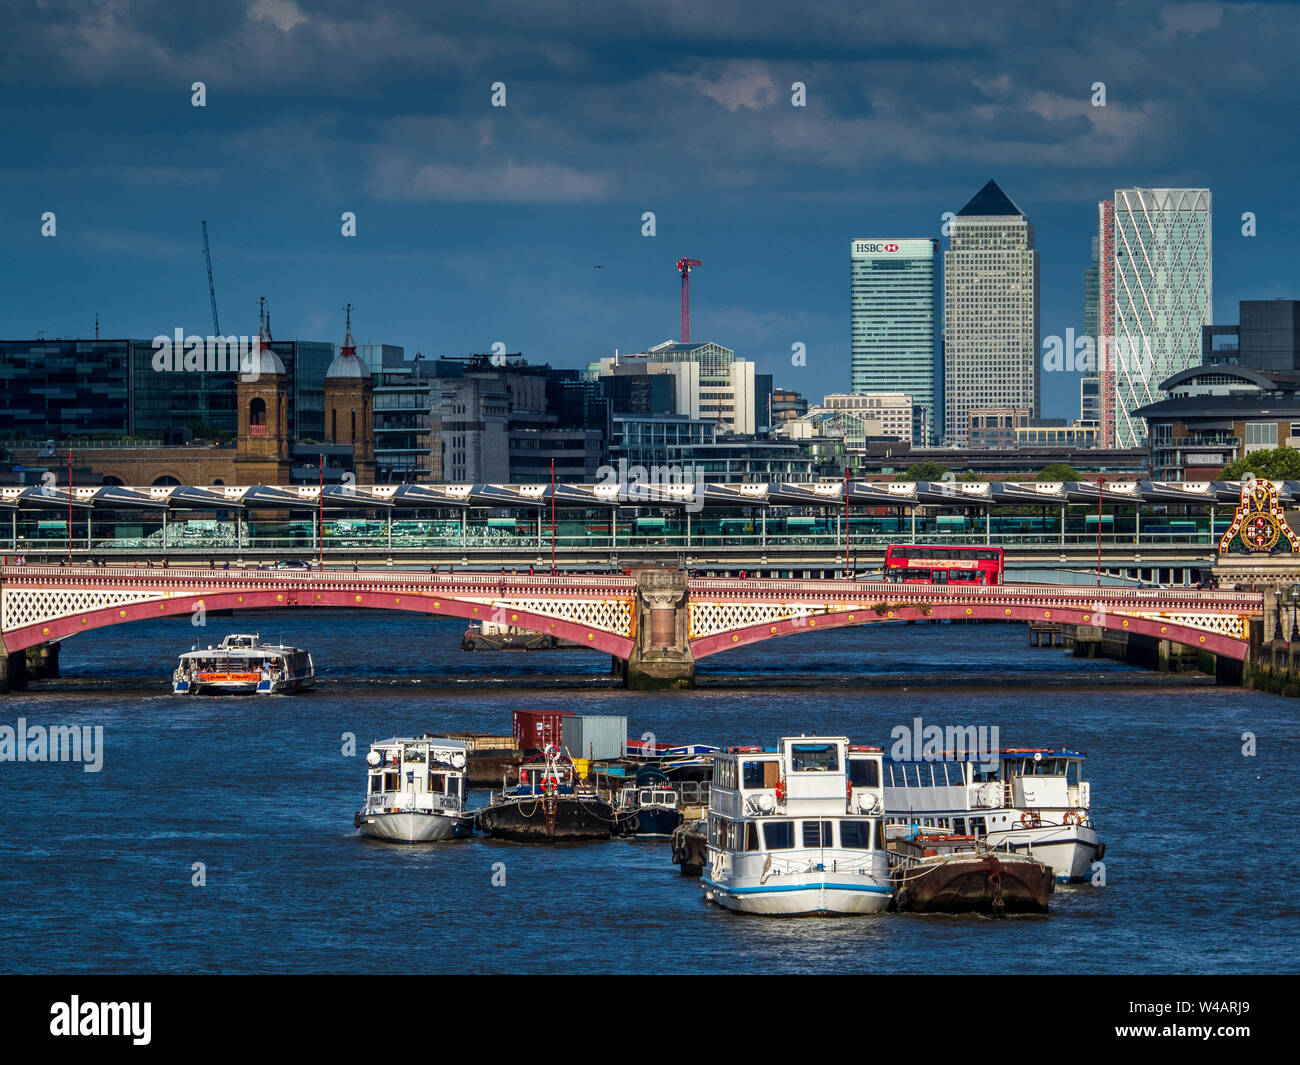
[[1030, 819], [550, 784], [1072, 817]]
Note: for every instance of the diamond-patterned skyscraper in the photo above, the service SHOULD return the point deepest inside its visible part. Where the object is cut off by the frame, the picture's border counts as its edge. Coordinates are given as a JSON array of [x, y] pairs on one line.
[[1163, 294]]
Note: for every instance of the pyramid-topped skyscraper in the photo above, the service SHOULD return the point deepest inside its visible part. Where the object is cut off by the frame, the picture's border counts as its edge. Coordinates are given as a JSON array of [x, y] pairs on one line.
[[990, 305]]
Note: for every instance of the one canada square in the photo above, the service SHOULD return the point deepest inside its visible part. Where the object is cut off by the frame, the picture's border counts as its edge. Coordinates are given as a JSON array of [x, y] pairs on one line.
[[990, 313]]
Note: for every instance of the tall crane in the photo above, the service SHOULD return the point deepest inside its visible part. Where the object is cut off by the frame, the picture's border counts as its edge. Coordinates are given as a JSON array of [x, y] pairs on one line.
[[212, 292], [686, 266]]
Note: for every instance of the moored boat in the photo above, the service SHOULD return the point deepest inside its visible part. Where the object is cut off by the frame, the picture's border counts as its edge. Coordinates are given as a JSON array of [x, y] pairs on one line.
[[951, 874], [1030, 800], [242, 665], [415, 791], [650, 807], [793, 830], [549, 804]]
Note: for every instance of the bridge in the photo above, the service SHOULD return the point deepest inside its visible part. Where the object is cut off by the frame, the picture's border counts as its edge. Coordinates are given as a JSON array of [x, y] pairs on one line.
[[1133, 530], [657, 621]]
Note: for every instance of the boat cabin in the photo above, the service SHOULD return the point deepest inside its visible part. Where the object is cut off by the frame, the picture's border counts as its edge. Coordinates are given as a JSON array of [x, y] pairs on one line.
[[928, 792], [803, 774], [428, 771]]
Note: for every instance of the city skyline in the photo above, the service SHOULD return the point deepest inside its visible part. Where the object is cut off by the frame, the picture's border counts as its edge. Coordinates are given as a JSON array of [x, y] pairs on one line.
[[478, 224]]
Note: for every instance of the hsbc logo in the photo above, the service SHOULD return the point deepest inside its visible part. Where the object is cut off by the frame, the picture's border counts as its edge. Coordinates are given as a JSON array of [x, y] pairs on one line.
[[876, 247]]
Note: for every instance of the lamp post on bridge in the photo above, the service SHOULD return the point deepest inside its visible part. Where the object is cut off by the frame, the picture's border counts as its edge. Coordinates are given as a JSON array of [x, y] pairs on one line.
[[848, 559], [1293, 597], [1101, 488]]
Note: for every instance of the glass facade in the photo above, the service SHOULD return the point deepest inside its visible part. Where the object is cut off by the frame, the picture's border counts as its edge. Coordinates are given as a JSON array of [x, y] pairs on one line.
[[64, 388], [894, 338], [1162, 292]]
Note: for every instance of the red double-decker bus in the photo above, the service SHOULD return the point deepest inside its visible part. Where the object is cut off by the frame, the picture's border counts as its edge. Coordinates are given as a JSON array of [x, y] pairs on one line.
[[935, 564]]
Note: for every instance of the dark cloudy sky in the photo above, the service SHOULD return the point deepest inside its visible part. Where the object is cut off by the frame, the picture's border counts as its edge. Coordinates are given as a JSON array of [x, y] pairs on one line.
[[478, 224]]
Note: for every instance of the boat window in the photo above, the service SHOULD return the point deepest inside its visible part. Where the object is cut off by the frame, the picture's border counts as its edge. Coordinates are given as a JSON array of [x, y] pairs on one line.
[[959, 825], [814, 758], [752, 774], [864, 772], [817, 834], [751, 836], [855, 835], [376, 784], [778, 835], [644, 798], [880, 835], [977, 826], [1072, 772], [391, 782], [981, 772]]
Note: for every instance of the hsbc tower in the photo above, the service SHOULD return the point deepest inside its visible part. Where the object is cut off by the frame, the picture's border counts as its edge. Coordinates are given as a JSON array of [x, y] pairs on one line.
[[894, 337]]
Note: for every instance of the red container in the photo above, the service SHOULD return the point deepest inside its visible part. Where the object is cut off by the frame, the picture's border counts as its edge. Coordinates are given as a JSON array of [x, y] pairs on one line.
[[534, 729]]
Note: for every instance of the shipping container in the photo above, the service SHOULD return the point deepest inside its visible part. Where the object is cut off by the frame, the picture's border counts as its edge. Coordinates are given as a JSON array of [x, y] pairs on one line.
[[534, 729], [599, 737], [482, 741]]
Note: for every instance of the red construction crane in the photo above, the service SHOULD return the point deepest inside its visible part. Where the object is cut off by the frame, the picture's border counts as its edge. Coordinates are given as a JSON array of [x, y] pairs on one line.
[[685, 266]]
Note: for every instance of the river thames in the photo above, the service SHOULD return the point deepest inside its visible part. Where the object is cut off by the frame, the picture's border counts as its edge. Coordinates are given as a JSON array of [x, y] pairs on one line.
[[96, 868]]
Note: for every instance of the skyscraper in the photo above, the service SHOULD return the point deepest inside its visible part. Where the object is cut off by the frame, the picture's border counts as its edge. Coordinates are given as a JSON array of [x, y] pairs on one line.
[[1162, 295], [1105, 321], [990, 312], [894, 318]]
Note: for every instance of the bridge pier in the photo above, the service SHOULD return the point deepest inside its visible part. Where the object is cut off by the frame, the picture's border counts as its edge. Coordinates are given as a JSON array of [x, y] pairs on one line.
[[13, 668], [661, 655], [43, 660]]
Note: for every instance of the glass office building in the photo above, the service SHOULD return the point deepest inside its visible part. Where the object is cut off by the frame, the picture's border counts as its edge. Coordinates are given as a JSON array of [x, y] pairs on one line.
[[1162, 295], [63, 388], [894, 331], [160, 401]]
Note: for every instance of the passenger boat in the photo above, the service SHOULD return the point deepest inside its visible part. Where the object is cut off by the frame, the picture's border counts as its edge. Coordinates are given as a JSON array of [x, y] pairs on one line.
[[548, 805], [415, 791], [1027, 799], [954, 874], [796, 830], [242, 665]]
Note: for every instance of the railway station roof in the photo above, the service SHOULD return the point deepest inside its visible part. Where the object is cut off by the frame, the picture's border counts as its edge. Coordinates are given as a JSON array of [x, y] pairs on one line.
[[688, 496]]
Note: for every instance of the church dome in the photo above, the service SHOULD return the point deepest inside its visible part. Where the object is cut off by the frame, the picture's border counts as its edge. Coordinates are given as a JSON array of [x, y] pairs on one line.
[[347, 365], [266, 361]]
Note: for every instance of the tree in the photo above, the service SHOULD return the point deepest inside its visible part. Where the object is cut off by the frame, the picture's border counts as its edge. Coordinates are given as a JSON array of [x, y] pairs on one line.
[[1059, 471], [924, 471], [1278, 464]]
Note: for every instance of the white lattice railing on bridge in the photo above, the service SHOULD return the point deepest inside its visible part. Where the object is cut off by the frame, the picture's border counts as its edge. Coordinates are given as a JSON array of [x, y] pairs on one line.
[[720, 606], [33, 595]]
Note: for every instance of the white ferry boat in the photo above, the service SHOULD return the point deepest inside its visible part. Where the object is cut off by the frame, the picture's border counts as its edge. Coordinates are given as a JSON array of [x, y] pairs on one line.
[[1033, 800], [415, 791], [243, 665], [797, 829]]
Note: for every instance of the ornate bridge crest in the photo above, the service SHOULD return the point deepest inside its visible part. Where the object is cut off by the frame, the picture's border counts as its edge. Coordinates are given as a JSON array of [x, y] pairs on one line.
[[1259, 526]]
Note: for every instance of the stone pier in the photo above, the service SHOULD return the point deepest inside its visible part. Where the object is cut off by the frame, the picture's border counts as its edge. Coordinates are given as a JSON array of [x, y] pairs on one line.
[[661, 658]]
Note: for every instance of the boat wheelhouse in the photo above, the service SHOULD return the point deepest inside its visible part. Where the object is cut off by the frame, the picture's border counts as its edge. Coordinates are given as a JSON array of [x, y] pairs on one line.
[[652, 806], [797, 829], [1025, 799], [242, 665], [415, 791]]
